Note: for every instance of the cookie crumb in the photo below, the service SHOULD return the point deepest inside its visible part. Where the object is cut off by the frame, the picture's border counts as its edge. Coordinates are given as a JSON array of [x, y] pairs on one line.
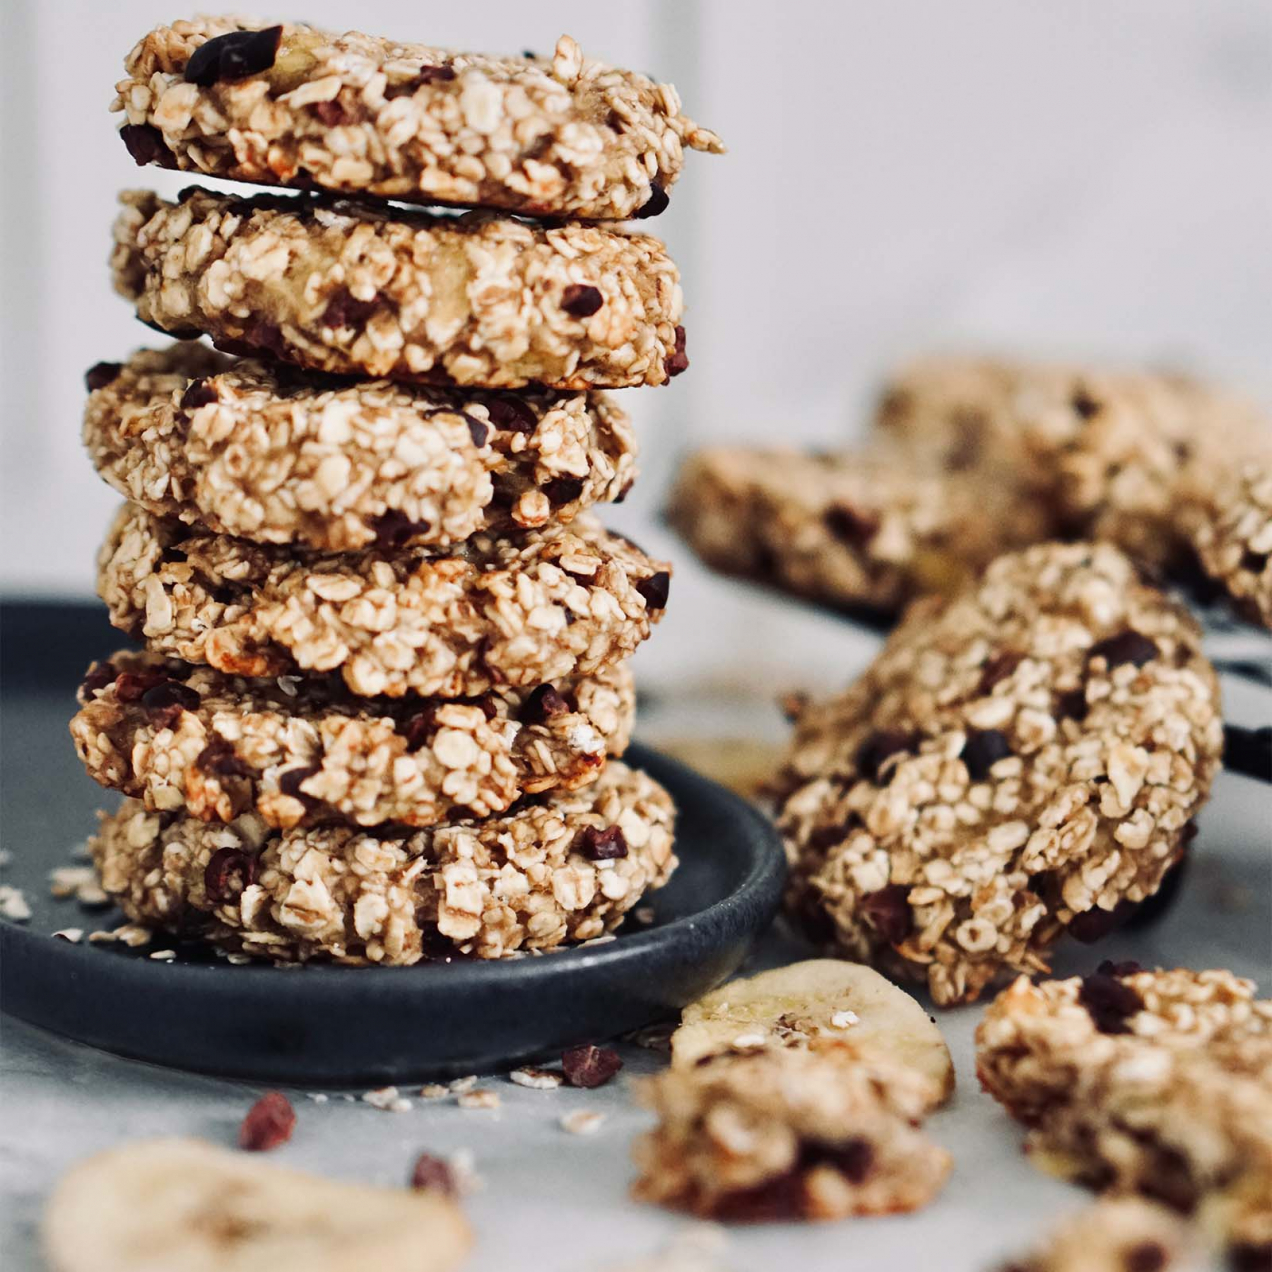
[[387, 1099], [582, 1122], [480, 1098], [13, 905], [537, 1079]]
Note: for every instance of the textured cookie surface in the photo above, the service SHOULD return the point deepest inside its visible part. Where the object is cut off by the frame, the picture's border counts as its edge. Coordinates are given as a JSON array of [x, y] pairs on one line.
[[565, 136], [1233, 538], [1157, 1082], [478, 300], [521, 612], [564, 866], [788, 1134], [157, 1205], [1019, 760], [868, 531], [1121, 456], [181, 737], [256, 449]]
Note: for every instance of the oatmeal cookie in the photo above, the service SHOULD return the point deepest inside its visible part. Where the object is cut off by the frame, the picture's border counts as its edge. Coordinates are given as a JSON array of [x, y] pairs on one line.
[[866, 531], [259, 450], [789, 1134], [1020, 760], [300, 752], [516, 612], [1233, 538], [1156, 1082], [1116, 1234], [292, 105], [1120, 456], [562, 866], [479, 300]]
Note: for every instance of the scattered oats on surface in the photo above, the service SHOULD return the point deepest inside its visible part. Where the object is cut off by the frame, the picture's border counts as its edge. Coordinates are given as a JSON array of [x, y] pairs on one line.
[[318, 1097], [582, 1122], [134, 935], [13, 905], [163, 956], [237, 960], [387, 1099], [6, 858], [644, 914], [434, 1091], [91, 896], [66, 881], [464, 1168], [457, 1086], [536, 1079], [74, 935], [481, 1098], [655, 1037]]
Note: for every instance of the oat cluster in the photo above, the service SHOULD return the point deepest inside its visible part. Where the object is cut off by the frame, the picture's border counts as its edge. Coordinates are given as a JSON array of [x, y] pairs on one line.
[[528, 879], [557, 136], [477, 301], [1022, 759], [789, 1134], [385, 665], [1116, 1234], [251, 448], [1155, 1082]]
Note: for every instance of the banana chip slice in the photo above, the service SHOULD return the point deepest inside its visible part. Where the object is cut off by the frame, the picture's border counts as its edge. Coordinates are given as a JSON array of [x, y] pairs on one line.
[[162, 1205], [809, 1004]]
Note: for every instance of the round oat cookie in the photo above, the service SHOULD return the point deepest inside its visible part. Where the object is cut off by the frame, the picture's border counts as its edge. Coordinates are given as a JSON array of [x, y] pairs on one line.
[[1115, 455], [293, 105], [300, 752], [1020, 760], [517, 612], [1233, 538], [558, 867], [260, 450], [865, 531], [478, 300]]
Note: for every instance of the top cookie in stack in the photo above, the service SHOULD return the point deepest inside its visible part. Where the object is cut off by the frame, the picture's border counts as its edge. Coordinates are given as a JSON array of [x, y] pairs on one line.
[[377, 614]]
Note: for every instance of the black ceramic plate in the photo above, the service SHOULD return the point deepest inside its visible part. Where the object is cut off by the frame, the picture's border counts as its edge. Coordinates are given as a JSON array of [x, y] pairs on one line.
[[330, 1024]]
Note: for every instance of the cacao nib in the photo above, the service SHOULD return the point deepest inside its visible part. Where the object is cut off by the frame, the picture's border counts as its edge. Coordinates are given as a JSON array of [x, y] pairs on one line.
[[678, 360], [228, 872], [478, 430], [198, 393], [602, 845], [563, 490], [233, 56], [1072, 705], [219, 759], [880, 747], [1084, 405], [655, 589], [889, 912], [581, 300], [99, 676], [146, 145], [997, 669], [131, 685], [512, 413], [982, 750], [269, 1123], [590, 1065], [344, 310], [393, 529], [101, 374], [850, 526], [655, 205], [1129, 646], [1109, 1002], [542, 704]]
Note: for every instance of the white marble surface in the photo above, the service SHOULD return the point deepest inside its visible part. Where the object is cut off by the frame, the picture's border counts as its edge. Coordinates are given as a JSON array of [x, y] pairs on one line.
[[556, 1202]]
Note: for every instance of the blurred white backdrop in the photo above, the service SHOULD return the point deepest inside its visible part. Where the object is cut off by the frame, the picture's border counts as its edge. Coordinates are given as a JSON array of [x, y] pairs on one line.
[[1086, 178]]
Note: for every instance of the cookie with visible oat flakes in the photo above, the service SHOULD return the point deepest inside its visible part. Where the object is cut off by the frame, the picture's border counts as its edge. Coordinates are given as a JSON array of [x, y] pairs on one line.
[[1139, 1081], [292, 105], [518, 612], [1021, 760], [1233, 538], [303, 751], [864, 532], [564, 866], [787, 1135], [257, 449], [478, 301]]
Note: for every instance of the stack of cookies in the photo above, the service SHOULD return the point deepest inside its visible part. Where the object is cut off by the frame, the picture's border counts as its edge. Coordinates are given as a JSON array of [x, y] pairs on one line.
[[385, 653]]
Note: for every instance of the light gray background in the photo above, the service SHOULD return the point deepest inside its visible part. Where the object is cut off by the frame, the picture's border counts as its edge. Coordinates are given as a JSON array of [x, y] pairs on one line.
[[1092, 176]]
